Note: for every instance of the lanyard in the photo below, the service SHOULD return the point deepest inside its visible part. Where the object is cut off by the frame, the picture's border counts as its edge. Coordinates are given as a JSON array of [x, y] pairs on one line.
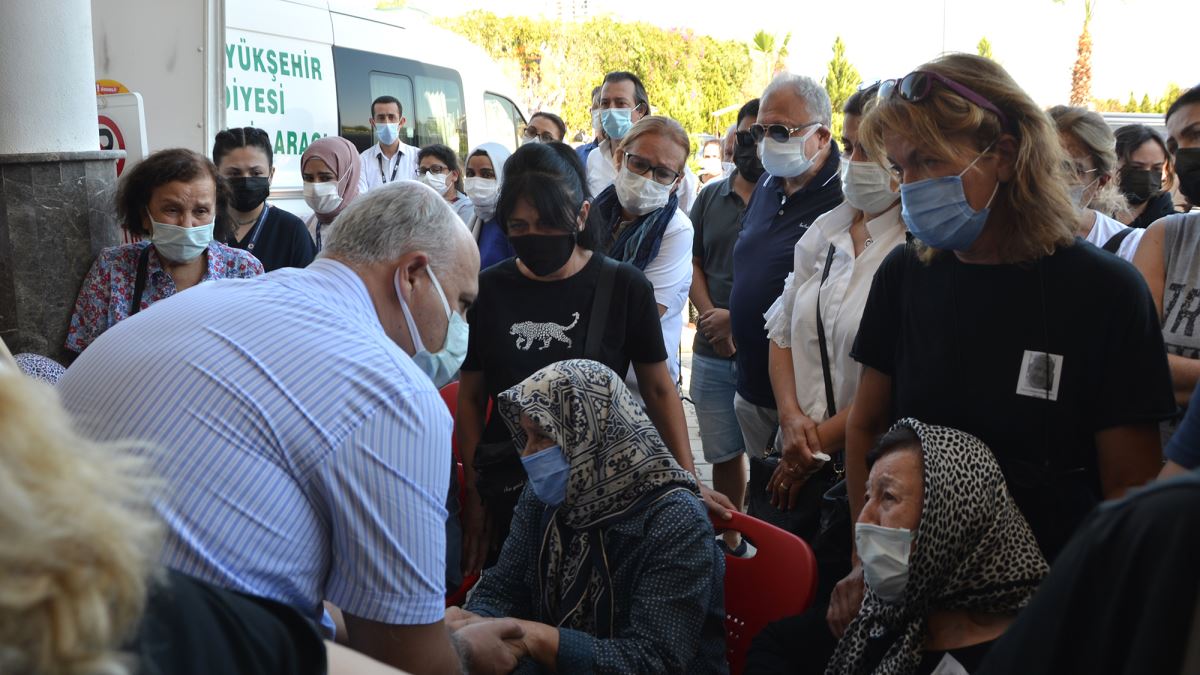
[[258, 227], [394, 168]]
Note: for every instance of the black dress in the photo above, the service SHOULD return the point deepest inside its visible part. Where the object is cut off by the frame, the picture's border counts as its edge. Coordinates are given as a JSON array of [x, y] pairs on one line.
[[1158, 207]]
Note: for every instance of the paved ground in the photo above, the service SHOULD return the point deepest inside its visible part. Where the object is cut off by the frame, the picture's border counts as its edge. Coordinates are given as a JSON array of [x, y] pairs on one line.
[[702, 467]]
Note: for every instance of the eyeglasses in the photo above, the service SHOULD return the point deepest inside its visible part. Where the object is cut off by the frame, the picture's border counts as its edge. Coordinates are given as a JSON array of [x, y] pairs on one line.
[[1077, 170], [777, 132], [641, 166], [436, 169], [531, 133], [744, 139], [915, 87]]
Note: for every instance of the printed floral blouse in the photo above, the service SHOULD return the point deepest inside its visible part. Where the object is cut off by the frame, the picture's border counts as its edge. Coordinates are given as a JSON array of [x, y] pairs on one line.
[[108, 288]]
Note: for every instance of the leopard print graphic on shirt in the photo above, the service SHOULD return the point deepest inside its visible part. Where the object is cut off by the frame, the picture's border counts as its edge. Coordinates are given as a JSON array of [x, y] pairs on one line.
[[528, 332]]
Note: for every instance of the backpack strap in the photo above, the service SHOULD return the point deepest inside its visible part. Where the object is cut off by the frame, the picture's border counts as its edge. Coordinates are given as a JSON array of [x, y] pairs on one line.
[[1114, 242]]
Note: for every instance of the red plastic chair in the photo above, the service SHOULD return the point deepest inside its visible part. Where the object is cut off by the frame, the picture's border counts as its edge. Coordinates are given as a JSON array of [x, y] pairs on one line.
[[779, 581], [450, 396]]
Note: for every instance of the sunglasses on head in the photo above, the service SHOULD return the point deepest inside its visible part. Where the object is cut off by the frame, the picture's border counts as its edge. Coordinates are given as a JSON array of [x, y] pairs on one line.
[[915, 87], [776, 132]]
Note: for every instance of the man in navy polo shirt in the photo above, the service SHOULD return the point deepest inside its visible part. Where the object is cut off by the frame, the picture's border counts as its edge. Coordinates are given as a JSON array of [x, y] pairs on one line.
[[801, 183]]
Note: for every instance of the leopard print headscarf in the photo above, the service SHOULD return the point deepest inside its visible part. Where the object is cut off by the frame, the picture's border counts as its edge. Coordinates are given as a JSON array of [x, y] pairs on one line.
[[619, 464], [972, 550]]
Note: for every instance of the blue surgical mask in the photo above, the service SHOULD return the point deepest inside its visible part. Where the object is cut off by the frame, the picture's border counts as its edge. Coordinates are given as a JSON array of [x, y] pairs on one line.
[[616, 122], [388, 132], [180, 244], [548, 471], [884, 553], [442, 366], [936, 211]]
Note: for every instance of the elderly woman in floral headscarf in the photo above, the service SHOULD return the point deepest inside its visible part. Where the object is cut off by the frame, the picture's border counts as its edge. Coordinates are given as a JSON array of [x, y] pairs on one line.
[[611, 562], [947, 556]]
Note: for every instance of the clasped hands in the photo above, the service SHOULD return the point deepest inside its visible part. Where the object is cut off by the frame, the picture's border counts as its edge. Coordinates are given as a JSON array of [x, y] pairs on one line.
[[799, 460], [494, 645]]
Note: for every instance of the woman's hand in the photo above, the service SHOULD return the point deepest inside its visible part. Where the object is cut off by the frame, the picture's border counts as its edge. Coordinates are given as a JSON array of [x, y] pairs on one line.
[[717, 503], [800, 441], [846, 601]]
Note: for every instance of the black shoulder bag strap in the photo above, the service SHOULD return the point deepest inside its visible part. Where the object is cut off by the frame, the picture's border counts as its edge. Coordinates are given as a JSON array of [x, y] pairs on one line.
[[592, 347], [830, 404], [1114, 242], [139, 282]]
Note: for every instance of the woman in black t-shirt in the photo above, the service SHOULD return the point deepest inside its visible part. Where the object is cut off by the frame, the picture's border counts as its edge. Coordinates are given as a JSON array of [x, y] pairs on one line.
[[539, 308], [999, 322], [274, 236]]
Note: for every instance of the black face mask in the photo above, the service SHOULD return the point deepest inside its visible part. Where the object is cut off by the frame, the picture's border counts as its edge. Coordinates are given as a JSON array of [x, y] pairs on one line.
[[1187, 167], [544, 254], [747, 162], [249, 192], [1139, 185]]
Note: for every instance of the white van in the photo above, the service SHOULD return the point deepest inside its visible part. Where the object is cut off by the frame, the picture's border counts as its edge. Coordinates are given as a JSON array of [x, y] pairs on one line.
[[300, 69]]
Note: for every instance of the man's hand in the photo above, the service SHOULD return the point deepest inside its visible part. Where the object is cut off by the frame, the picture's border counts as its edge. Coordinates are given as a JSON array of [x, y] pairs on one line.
[[476, 535], [714, 324], [717, 503], [490, 646], [457, 617], [725, 348], [846, 601]]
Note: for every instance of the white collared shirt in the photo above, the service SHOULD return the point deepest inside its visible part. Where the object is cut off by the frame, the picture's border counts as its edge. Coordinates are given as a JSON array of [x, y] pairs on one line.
[[791, 320], [378, 170], [602, 171]]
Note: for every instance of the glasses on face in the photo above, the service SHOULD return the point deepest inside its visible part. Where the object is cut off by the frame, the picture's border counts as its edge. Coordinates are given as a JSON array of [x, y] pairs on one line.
[[744, 139], [915, 87], [1078, 170], [641, 166], [531, 133], [777, 132], [436, 169]]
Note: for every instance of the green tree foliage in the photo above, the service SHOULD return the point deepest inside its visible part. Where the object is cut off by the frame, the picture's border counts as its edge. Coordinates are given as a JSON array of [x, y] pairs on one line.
[[687, 76], [984, 48], [1081, 72], [1146, 105], [841, 81]]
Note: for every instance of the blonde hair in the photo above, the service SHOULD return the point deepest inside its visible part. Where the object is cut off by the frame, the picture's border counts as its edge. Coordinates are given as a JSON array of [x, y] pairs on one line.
[[1036, 213], [78, 540], [1093, 133], [663, 126]]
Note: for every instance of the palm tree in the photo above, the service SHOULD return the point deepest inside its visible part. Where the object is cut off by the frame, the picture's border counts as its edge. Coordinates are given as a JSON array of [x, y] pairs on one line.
[[1081, 73], [772, 58]]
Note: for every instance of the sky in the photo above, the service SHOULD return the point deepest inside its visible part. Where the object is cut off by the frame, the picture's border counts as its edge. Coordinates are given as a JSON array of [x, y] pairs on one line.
[[1134, 47]]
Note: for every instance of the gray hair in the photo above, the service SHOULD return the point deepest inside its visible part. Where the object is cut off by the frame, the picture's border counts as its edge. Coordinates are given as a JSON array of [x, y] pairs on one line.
[[815, 98], [393, 220]]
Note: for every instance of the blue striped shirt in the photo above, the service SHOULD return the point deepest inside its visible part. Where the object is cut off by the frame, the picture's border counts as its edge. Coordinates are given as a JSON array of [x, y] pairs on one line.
[[305, 456]]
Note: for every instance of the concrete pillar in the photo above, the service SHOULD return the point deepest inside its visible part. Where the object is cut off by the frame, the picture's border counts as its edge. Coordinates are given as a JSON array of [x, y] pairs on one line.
[[56, 187]]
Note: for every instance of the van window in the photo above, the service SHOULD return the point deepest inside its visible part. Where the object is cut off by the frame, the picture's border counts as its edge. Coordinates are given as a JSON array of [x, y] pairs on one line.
[[441, 116], [504, 121], [399, 86], [432, 97]]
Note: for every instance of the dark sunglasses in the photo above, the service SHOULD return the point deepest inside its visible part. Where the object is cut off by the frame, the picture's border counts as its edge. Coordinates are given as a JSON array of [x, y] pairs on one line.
[[744, 139], [915, 87], [776, 132]]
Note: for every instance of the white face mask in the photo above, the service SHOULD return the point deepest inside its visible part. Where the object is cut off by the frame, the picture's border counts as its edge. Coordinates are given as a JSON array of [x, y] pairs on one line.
[[867, 186], [786, 160], [437, 181], [596, 127], [180, 244], [884, 553], [322, 197], [640, 195], [483, 193], [727, 168]]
